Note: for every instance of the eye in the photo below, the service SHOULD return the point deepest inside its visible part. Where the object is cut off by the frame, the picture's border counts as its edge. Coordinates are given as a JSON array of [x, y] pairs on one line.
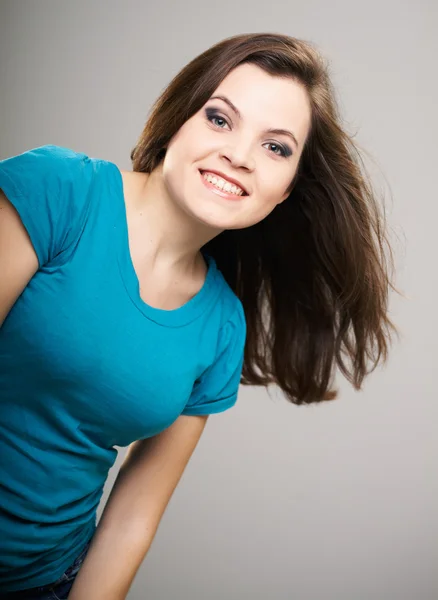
[[283, 151], [212, 115]]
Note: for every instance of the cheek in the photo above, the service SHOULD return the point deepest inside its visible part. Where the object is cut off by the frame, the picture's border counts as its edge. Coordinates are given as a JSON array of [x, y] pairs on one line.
[[274, 186], [181, 154], [271, 193], [179, 177]]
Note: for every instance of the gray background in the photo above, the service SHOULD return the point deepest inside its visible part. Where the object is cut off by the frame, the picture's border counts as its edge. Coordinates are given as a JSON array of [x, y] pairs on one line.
[[333, 502]]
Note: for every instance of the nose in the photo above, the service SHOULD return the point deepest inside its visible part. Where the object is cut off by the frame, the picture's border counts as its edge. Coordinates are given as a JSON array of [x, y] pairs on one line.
[[240, 156]]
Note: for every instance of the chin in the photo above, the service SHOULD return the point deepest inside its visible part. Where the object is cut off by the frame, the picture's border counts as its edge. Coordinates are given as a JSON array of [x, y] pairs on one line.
[[212, 223]]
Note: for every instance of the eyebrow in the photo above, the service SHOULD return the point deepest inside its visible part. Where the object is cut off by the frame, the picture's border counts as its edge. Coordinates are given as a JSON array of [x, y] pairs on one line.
[[272, 130]]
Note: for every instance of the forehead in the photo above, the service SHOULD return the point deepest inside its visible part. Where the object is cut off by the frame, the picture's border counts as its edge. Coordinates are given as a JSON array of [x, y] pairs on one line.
[[267, 101]]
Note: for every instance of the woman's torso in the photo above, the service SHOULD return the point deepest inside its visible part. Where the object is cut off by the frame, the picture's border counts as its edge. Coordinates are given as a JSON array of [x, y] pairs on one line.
[[85, 365]]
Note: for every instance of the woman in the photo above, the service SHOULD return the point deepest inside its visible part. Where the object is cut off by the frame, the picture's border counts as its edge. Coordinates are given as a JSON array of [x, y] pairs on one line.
[[245, 246]]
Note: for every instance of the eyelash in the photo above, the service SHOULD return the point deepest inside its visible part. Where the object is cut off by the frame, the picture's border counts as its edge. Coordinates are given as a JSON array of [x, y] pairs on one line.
[[212, 114]]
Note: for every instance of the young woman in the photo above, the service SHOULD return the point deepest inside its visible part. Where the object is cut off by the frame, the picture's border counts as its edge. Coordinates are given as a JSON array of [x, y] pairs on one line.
[[245, 246]]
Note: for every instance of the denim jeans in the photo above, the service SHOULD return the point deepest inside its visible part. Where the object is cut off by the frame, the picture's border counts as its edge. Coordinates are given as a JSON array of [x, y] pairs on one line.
[[58, 590]]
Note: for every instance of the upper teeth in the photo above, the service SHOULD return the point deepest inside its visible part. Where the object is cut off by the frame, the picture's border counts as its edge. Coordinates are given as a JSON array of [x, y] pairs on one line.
[[223, 184]]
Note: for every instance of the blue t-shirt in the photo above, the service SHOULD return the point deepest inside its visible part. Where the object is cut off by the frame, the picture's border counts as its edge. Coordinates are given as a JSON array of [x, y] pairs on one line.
[[86, 364]]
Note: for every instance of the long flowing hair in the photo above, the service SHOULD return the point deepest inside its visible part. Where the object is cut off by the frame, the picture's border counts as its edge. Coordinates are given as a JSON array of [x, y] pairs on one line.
[[314, 275]]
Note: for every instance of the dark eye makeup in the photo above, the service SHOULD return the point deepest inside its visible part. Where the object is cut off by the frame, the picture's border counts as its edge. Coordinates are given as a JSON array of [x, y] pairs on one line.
[[212, 114]]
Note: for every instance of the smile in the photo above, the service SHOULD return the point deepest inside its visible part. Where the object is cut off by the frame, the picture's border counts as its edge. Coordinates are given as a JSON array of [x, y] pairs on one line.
[[221, 187]]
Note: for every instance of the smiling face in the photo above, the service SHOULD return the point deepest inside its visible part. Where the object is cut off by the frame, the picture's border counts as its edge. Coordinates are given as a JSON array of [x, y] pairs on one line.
[[240, 146]]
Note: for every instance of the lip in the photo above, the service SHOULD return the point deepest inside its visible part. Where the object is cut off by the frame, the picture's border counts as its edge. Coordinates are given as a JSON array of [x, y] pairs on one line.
[[229, 196], [226, 177]]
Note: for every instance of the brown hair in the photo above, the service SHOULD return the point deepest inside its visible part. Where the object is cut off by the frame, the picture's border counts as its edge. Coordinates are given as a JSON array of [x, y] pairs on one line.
[[313, 276]]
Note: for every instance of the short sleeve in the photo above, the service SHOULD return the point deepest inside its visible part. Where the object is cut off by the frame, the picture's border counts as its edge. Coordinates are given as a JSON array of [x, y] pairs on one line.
[[47, 187], [217, 388]]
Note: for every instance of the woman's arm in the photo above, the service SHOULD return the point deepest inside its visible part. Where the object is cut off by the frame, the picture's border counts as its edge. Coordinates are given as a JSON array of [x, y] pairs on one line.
[[147, 478], [18, 260]]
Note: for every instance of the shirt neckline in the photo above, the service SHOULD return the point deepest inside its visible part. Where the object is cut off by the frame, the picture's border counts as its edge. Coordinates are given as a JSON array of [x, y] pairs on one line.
[[186, 313]]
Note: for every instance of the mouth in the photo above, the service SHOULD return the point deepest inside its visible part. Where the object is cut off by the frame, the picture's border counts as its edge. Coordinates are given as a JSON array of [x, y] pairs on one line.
[[228, 194]]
